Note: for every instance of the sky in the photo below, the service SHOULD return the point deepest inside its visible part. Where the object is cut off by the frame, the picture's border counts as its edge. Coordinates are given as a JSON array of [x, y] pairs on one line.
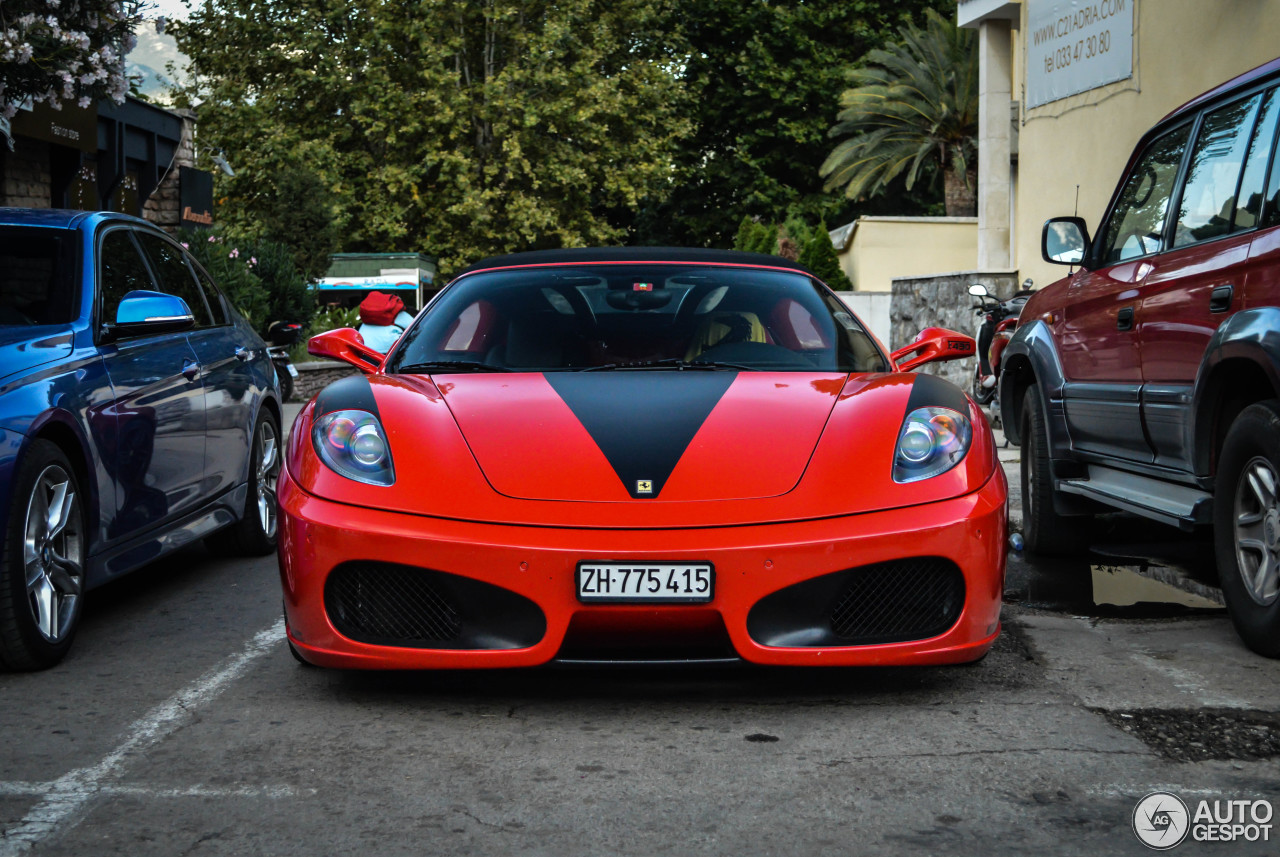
[[170, 9]]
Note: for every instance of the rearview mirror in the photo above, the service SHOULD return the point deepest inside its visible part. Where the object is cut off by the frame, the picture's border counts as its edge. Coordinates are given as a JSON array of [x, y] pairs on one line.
[[934, 345], [1064, 240], [978, 290], [347, 345], [142, 312]]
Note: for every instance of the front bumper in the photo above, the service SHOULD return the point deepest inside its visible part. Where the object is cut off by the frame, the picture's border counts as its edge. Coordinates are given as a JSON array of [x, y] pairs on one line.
[[318, 536]]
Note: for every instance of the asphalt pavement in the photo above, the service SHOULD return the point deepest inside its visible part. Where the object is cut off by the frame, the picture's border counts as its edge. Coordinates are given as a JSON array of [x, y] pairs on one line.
[[179, 724]]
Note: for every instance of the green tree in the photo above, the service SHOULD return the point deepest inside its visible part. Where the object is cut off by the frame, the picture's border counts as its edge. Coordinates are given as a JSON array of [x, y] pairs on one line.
[[765, 77], [812, 243], [458, 128], [296, 210], [914, 106], [818, 254], [259, 277]]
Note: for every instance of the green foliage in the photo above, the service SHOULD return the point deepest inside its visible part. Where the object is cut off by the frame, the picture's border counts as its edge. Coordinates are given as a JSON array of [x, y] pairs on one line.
[[258, 277], [765, 78], [459, 129], [296, 209], [914, 108], [756, 237], [333, 317], [817, 253]]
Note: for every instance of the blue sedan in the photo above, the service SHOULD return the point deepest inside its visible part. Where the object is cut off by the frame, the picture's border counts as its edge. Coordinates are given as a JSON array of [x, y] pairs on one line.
[[138, 413]]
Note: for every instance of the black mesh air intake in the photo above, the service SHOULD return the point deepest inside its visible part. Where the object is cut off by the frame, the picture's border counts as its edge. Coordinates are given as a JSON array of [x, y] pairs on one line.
[[911, 599], [398, 605], [890, 602]]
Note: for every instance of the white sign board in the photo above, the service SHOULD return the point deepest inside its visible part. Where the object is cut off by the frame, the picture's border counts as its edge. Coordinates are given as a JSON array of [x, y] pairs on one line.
[[385, 281], [1076, 45]]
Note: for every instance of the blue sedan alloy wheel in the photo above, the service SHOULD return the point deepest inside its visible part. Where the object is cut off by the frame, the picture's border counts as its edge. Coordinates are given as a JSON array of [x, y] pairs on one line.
[[255, 534], [42, 570]]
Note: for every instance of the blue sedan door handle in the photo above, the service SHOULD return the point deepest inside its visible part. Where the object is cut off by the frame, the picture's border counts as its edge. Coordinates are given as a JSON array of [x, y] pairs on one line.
[[190, 369], [243, 354]]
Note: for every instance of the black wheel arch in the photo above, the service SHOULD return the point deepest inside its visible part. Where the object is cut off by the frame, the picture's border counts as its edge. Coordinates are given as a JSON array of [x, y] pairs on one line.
[[1031, 358], [1241, 366]]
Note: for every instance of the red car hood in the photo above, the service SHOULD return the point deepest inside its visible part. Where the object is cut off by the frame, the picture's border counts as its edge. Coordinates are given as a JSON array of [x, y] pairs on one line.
[[642, 435]]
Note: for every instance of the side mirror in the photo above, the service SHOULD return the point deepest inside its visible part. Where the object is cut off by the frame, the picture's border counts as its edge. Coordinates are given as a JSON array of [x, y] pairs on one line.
[[978, 290], [141, 312], [1064, 240], [934, 345], [347, 345]]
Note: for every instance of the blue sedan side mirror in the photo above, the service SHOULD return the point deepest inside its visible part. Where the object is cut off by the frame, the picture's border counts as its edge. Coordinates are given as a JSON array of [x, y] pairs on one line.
[[142, 312]]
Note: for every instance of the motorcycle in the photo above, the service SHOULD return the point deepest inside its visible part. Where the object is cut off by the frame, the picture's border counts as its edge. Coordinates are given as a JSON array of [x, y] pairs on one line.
[[282, 335], [999, 318]]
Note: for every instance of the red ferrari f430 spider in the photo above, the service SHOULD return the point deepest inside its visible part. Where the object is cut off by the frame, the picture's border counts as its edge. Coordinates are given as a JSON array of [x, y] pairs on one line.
[[640, 455]]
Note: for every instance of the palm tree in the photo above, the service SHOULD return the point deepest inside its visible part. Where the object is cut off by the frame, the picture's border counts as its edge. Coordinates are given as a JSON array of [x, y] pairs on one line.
[[915, 104]]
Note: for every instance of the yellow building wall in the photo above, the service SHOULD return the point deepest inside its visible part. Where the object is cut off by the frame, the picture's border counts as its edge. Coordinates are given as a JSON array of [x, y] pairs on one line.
[[1181, 49], [882, 248]]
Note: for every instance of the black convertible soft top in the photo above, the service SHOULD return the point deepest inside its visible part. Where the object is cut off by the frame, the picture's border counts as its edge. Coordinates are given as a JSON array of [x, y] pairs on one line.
[[634, 254]]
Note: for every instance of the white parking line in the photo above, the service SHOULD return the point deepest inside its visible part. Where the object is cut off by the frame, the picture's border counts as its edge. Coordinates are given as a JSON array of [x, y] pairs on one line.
[[66, 797]]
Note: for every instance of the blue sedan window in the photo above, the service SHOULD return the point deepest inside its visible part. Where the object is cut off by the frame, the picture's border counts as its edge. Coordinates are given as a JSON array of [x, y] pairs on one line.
[[37, 285]]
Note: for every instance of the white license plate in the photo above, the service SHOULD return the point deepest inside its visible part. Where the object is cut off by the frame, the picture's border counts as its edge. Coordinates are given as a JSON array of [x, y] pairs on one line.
[[647, 582]]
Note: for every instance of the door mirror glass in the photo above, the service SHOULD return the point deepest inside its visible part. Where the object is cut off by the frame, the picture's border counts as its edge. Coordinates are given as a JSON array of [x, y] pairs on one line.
[[145, 312], [1064, 241]]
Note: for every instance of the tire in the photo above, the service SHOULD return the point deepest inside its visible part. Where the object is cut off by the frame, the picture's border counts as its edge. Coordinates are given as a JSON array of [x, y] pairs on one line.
[[1044, 530], [286, 383], [255, 534], [42, 564], [982, 395], [1246, 525]]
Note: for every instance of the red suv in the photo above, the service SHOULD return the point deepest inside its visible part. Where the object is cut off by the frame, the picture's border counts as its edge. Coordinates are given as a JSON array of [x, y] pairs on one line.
[[1149, 379]]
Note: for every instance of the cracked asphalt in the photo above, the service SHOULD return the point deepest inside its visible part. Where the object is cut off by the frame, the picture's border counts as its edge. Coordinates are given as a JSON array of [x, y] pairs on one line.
[[180, 725]]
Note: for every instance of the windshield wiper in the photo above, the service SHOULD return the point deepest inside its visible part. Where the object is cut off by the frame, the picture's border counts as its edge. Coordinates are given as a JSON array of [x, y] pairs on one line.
[[451, 366], [670, 363]]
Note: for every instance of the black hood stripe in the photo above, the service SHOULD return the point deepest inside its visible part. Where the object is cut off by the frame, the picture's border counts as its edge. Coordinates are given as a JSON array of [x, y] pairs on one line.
[[932, 391], [643, 421], [351, 393]]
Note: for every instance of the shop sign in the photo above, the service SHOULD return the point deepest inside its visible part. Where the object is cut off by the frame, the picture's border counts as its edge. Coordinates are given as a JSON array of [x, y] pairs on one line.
[[195, 197], [1076, 45], [72, 126]]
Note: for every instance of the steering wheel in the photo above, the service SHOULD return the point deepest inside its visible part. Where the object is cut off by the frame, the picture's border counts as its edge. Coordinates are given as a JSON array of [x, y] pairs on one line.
[[1146, 184]]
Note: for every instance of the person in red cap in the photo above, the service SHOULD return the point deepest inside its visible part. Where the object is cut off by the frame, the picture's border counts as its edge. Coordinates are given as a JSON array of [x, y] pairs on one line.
[[382, 320]]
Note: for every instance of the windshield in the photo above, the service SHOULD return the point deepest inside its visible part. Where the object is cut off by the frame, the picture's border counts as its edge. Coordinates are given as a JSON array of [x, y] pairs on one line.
[[35, 276], [640, 316]]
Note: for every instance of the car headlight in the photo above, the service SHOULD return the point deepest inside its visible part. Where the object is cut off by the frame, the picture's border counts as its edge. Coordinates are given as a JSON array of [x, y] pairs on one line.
[[352, 444], [932, 441]]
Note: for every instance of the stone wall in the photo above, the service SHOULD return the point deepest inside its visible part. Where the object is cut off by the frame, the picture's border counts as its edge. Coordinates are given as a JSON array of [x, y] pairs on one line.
[[25, 180], [315, 376], [163, 207], [943, 300]]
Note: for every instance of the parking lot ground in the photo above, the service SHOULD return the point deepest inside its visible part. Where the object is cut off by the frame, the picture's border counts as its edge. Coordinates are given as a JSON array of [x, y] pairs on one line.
[[179, 724]]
